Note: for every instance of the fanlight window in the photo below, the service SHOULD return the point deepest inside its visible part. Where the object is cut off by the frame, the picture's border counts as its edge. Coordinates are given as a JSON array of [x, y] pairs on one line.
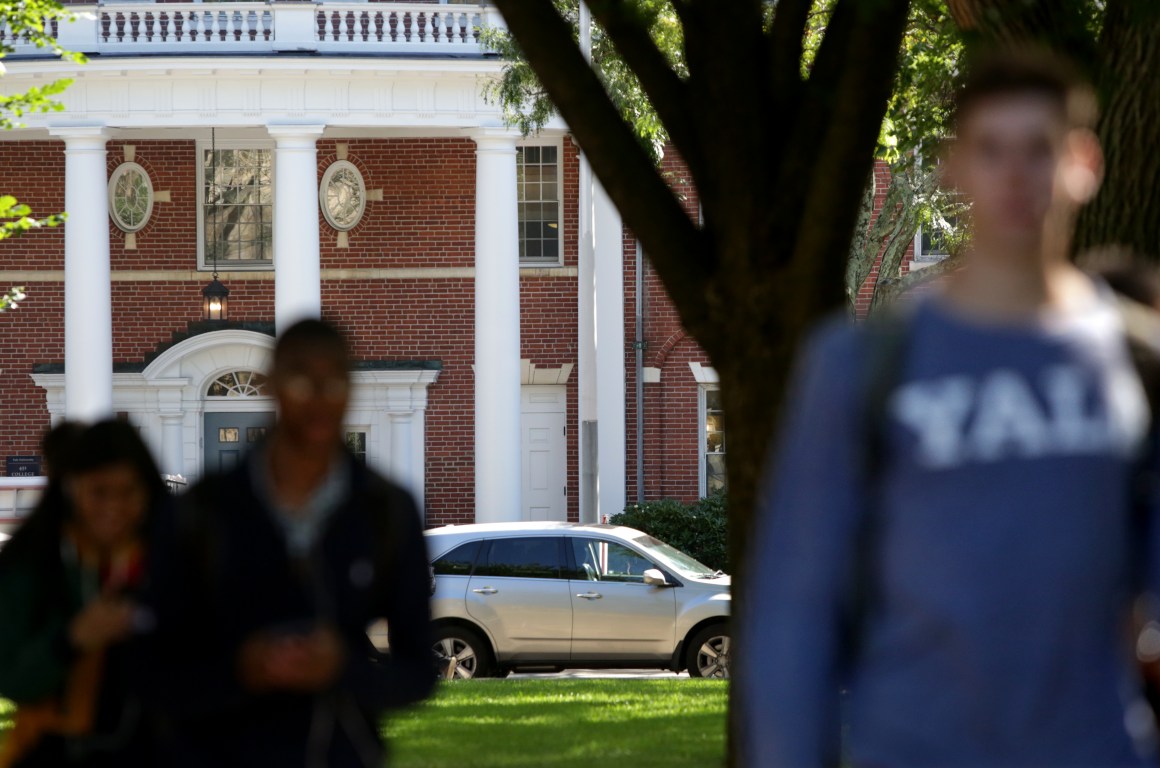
[[239, 384]]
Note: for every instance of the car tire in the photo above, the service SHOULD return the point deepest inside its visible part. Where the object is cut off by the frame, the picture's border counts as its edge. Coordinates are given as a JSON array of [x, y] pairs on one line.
[[462, 654], [707, 652]]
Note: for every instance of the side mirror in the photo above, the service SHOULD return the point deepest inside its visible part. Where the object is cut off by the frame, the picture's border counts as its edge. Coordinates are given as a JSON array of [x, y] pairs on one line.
[[655, 578]]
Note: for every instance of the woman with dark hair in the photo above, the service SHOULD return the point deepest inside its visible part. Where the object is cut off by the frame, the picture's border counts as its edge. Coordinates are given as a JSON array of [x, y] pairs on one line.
[[69, 579]]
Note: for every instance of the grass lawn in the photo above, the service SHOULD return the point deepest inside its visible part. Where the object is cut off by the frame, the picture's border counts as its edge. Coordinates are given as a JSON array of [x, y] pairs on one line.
[[668, 723], [564, 723]]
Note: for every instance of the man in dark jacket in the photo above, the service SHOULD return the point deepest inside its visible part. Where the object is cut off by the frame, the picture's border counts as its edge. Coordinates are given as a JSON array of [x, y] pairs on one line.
[[268, 577]]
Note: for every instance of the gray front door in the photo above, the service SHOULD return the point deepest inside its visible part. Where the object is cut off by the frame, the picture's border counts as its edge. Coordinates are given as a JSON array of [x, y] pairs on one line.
[[229, 436]]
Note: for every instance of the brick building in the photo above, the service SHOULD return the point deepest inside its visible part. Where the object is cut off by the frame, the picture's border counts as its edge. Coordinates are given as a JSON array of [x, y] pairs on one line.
[[338, 158]]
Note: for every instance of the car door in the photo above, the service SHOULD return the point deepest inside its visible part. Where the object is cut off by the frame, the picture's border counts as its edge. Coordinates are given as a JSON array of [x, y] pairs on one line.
[[615, 615], [519, 594]]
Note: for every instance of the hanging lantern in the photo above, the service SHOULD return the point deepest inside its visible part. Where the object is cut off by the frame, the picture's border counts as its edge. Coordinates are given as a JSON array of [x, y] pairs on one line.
[[215, 304]]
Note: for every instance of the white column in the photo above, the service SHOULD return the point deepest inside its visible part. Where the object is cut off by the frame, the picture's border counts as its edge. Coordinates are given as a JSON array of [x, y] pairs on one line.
[[586, 333], [401, 447], [497, 329], [88, 321], [297, 273], [609, 310], [172, 461]]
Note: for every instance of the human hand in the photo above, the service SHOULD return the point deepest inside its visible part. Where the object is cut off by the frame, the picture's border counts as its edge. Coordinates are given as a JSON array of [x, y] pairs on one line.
[[292, 662], [102, 622]]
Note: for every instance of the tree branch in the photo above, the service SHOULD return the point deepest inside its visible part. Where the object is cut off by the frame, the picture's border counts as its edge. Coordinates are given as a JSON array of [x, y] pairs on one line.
[[667, 93], [846, 99], [785, 45], [645, 201]]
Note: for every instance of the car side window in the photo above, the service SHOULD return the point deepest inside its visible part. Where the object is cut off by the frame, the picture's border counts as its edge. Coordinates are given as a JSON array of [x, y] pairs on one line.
[[600, 560], [530, 557], [457, 562]]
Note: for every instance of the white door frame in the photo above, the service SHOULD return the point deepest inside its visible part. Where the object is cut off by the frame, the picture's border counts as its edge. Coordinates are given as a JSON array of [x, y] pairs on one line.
[[167, 402]]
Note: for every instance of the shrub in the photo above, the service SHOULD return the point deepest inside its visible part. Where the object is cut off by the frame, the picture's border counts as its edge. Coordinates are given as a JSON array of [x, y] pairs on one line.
[[700, 528]]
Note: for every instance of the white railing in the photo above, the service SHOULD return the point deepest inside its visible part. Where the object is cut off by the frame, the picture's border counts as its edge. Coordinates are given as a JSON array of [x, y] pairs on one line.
[[225, 28]]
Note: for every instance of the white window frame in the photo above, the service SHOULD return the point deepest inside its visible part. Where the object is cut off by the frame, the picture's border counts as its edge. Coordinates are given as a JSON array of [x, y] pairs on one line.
[[558, 143], [702, 479], [203, 265]]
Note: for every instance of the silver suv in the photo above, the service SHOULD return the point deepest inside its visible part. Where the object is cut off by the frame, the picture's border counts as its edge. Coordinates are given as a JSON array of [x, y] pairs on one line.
[[556, 595]]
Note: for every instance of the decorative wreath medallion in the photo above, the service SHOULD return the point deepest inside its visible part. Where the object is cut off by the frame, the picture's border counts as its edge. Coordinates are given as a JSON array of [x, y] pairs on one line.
[[342, 195], [130, 197]]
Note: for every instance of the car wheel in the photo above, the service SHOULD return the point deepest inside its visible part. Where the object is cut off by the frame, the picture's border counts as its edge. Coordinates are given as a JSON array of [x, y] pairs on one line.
[[461, 654], [707, 654]]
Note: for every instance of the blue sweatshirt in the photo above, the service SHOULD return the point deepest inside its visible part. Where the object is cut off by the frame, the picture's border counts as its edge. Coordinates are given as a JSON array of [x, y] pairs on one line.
[[994, 576]]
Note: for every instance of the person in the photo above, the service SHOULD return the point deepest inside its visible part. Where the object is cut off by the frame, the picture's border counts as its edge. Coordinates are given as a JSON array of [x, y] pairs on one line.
[[944, 567], [269, 577], [70, 585]]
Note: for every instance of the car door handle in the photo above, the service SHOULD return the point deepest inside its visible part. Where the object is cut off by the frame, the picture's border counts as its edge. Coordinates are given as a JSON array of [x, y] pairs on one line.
[[590, 595], [485, 591]]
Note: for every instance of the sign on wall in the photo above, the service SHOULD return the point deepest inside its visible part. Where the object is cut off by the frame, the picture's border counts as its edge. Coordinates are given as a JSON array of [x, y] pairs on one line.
[[22, 466]]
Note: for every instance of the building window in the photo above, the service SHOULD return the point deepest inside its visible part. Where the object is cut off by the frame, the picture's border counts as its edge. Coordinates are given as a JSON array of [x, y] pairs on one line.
[[714, 479], [356, 443], [237, 211], [130, 197], [538, 190], [239, 384]]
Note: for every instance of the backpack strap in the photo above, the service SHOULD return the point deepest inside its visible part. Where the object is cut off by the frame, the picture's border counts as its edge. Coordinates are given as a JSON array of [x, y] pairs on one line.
[[887, 342]]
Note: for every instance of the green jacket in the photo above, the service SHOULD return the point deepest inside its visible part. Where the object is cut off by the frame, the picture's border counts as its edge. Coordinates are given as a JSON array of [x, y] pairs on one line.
[[35, 612]]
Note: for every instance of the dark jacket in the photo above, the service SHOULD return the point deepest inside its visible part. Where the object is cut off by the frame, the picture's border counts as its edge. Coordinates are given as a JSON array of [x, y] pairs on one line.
[[224, 573], [40, 593]]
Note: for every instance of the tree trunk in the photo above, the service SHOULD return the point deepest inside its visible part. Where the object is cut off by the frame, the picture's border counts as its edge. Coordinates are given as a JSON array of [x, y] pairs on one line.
[[1127, 209]]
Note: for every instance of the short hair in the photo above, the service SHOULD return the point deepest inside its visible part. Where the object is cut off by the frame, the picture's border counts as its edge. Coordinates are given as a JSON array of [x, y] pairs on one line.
[[313, 335], [1028, 72]]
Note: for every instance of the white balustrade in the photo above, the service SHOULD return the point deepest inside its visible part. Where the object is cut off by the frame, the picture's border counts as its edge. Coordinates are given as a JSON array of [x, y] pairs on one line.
[[253, 27], [185, 27]]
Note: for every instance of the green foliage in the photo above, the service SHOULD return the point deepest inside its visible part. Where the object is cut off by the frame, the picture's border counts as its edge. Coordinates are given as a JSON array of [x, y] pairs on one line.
[[699, 529], [16, 218], [30, 22], [526, 105], [667, 723], [11, 299]]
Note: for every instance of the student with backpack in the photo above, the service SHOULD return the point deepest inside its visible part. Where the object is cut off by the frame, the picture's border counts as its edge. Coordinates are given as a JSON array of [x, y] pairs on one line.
[[267, 579], [950, 537]]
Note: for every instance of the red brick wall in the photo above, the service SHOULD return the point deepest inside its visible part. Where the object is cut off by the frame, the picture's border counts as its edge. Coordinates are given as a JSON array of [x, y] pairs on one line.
[[426, 219], [671, 426], [866, 292]]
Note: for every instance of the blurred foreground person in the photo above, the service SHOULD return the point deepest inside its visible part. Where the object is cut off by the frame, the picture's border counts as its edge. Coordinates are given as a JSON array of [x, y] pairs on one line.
[[69, 583], [951, 531], [268, 578]]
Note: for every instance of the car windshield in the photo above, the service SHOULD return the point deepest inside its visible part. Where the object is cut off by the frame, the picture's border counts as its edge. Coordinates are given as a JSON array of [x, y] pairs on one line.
[[675, 558]]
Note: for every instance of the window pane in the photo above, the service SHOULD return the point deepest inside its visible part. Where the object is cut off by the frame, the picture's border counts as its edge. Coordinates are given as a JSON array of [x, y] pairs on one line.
[[714, 446], [539, 207], [239, 212], [535, 557], [458, 561], [599, 560]]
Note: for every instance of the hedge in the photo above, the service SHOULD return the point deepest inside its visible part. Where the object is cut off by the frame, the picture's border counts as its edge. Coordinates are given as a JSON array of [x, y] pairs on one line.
[[700, 528]]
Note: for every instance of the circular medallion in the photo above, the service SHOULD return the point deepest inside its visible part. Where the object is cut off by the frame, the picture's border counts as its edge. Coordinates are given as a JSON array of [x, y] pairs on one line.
[[130, 197], [342, 195]]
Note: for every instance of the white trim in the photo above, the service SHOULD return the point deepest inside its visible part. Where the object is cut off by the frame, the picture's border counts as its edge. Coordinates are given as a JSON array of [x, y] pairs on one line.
[[556, 141], [704, 374], [702, 479], [530, 373], [201, 146], [122, 170], [651, 375], [172, 389], [328, 176]]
